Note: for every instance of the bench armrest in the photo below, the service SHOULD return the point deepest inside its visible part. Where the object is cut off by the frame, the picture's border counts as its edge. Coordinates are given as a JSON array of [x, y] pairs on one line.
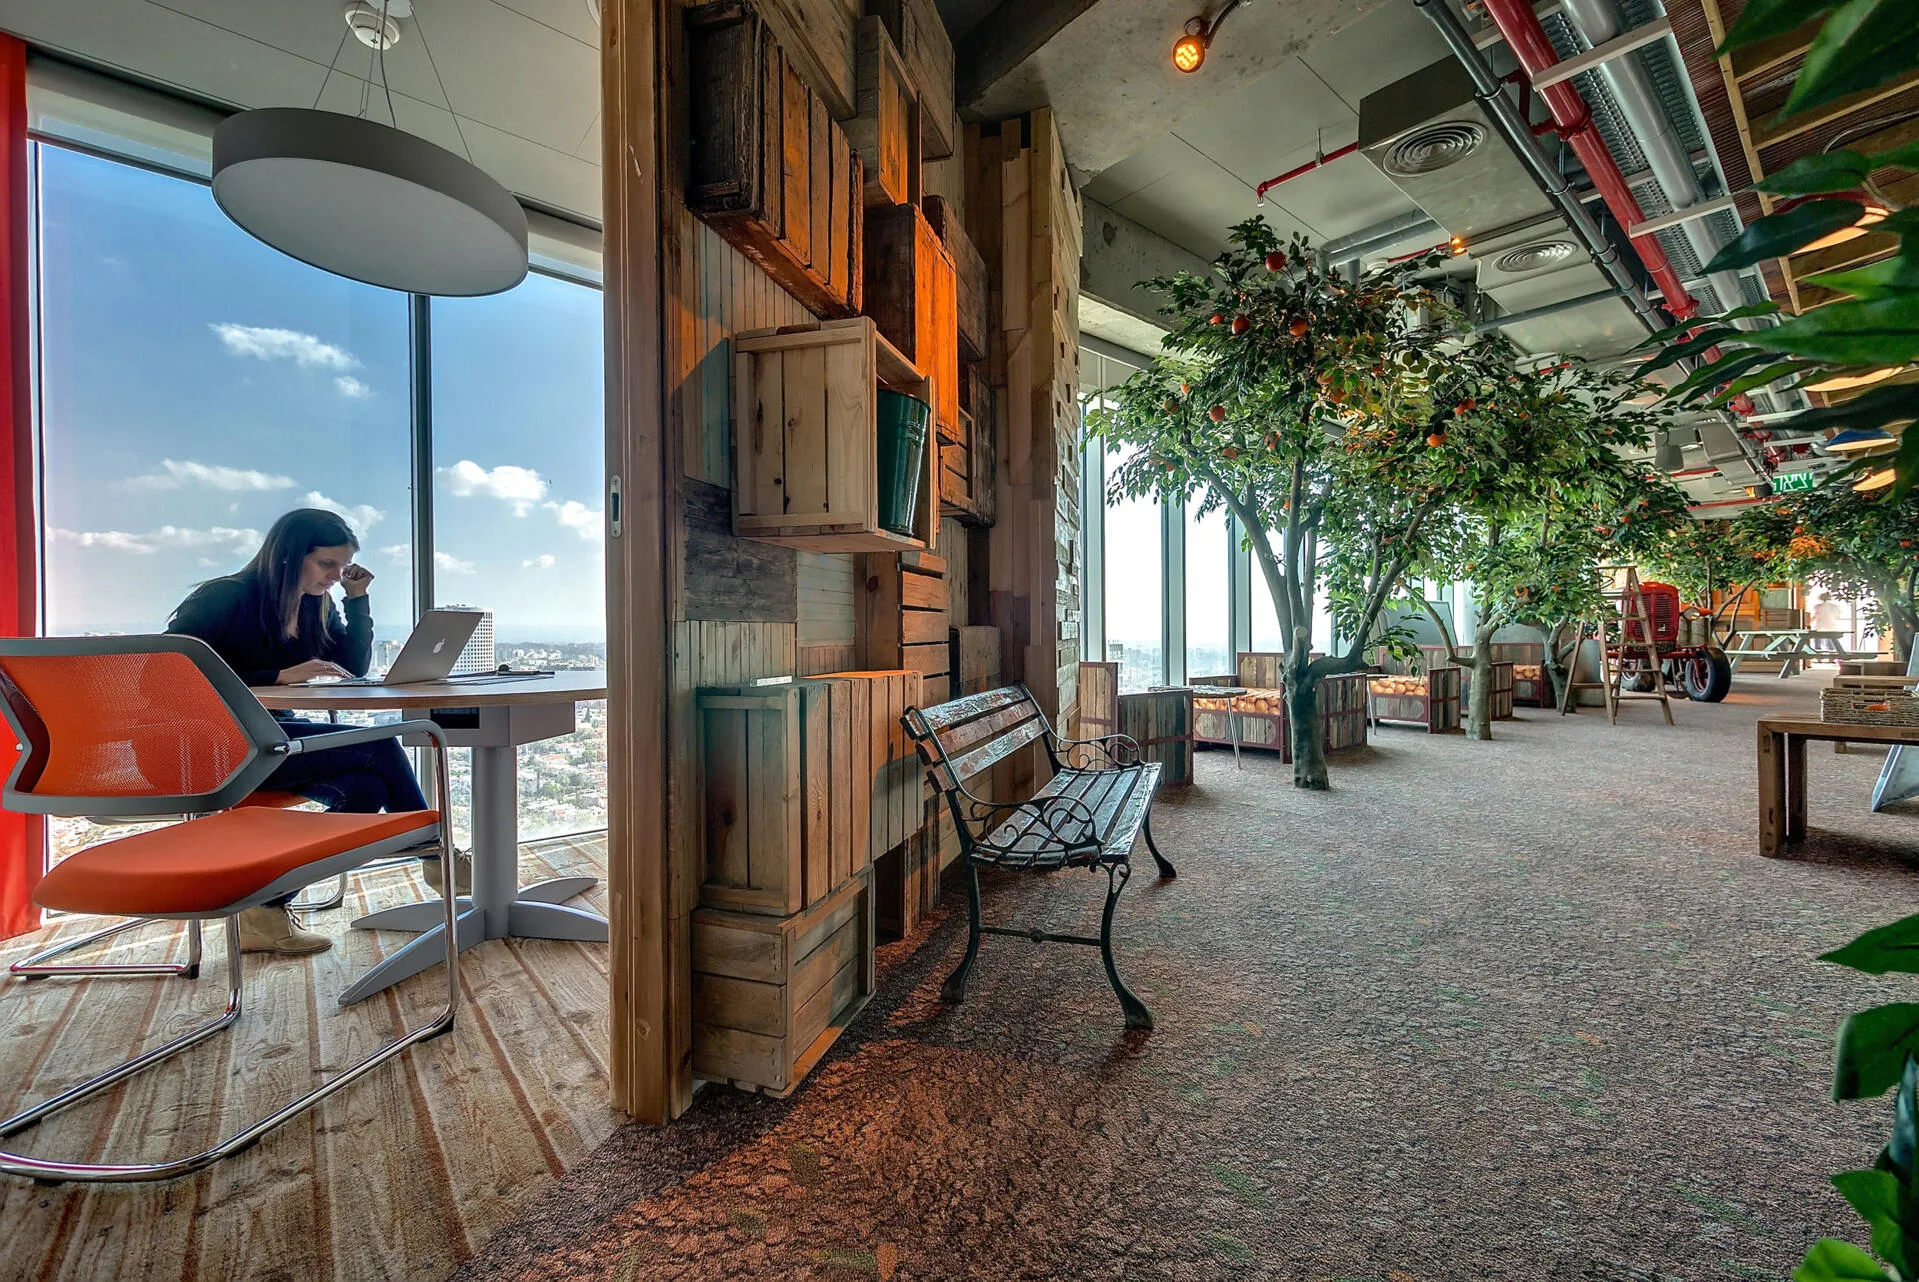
[[1064, 823], [1119, 750]]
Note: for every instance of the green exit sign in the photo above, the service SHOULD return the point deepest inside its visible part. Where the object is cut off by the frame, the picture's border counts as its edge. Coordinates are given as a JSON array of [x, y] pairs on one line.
[[1788, 482]]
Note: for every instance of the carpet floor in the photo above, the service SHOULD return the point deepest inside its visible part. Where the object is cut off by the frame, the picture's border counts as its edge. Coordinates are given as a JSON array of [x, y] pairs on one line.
[[1529, 1009]]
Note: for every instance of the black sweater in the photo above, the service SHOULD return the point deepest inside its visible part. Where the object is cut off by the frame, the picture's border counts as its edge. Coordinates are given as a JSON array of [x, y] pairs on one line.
[[226, 614]]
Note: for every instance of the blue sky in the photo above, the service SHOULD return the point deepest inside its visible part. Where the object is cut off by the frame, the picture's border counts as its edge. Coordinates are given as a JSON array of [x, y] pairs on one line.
[[195, 384]]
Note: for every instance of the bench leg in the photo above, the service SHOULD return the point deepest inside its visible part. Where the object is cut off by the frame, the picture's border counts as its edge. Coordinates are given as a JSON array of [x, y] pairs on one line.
[[1166, 871], [1137, 1016], [954, 989]]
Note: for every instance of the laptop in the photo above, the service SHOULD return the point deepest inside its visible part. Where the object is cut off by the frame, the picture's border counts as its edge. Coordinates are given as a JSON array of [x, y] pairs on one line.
[[429, 654]]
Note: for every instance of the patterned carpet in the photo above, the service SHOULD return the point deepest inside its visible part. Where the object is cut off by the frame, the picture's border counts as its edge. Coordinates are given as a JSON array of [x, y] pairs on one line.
[[1524, 1010]]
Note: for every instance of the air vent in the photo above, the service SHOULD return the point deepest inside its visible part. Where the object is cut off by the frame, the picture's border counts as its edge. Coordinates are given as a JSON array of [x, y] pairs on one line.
[[1536, 257], [1432, 148]]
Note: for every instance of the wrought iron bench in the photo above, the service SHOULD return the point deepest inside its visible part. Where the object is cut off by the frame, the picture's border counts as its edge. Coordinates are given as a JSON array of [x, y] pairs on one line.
[[1087, 816]]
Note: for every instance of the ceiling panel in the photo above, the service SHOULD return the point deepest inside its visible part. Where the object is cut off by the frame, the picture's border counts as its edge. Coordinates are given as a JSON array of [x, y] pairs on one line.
[[1387, 44], [513, 73], [1286, 110], [1340, 197], [570, 17], [1194, 206], [1165, 155]]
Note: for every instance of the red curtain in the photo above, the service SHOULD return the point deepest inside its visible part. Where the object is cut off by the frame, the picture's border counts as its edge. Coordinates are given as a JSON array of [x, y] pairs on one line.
[[22, 837]]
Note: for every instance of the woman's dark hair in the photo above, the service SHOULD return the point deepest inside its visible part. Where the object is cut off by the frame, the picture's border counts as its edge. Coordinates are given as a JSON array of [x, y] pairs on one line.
[[276, 566]]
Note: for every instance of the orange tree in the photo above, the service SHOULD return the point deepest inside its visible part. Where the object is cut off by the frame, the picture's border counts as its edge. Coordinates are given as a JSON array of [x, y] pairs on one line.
[[1550, 496], [1860, 545], [1703, 557], [1303, 405]]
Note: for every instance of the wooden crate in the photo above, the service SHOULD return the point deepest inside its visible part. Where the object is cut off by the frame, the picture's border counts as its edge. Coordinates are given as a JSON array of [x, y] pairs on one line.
[[967, 453], [972, 302], [1264, 723], [913, 299], [901, 618], [975, 660], [1531, 687], [1260, 669], [806, 438], [772, 994], [1502, 692], [1161, 721], [1434, 702], [922, 40], [781, 765], [890, 769], [886, 132], [768, 168]]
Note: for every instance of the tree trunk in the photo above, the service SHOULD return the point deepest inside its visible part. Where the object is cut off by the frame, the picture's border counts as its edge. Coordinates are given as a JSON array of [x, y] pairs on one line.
[[1479, 703], [1905, 624], [1558, 670], [1309, 740]]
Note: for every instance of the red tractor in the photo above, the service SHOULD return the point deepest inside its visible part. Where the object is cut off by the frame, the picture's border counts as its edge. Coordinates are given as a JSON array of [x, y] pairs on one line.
[[1690, 657]]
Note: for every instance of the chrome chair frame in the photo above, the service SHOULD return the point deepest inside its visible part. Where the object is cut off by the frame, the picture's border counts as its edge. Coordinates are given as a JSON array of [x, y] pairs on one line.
[[273, 745], [36, 967]]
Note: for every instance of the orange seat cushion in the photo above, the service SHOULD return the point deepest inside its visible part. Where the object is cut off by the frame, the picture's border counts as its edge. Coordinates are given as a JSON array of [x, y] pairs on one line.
[[206, 865]]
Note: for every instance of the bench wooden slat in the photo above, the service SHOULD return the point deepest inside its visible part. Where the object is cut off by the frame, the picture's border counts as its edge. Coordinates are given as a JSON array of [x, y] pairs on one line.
[[1118, 814], [947, 715], [968, 764], [970, 735]]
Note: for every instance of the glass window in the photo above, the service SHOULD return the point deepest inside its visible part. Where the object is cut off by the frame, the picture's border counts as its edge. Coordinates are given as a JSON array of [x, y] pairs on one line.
[[1209, 594], [1266, 634], [1133, 588], [519, 465], [194, 385]]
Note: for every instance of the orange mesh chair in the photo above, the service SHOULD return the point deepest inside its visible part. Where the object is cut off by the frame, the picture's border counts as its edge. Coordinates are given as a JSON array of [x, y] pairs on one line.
[[145, 725], [38, 966]]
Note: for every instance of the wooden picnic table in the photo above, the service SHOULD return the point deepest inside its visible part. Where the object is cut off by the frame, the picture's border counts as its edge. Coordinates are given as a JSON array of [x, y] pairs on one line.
[[1791, 646]]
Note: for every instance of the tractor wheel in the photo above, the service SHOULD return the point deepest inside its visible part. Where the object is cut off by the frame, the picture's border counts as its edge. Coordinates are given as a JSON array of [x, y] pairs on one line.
[[1634, 676], [1708, 676]]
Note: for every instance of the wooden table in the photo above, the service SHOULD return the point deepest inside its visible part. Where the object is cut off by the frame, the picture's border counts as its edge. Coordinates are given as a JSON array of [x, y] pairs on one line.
[[1791, 646], [493, 716], [1782, 770]]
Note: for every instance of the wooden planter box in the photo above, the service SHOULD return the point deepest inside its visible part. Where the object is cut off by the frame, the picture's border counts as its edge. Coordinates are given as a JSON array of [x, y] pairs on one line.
[[772, 994], [886, 132], [806, 438], [1431, 700], [783, 826], [1161, 721], [1263, 722], [768, 168], [912, 297]]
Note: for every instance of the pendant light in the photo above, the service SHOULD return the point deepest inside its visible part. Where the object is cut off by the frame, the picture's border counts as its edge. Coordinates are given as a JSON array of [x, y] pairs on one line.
[[367, 200]]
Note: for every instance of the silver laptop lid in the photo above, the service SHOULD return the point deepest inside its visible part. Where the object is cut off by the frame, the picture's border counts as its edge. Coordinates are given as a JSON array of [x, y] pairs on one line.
[[435, 646]]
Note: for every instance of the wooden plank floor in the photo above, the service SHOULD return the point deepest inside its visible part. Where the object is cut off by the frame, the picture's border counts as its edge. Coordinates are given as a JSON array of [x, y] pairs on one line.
[[404, 1174]]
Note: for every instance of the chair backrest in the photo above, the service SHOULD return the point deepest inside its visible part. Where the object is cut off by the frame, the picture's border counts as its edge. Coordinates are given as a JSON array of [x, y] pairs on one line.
[[958, 740], [130, 725]]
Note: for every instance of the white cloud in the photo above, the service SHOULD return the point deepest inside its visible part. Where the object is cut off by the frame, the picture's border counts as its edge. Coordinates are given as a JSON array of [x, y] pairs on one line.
[[544, 561], [522, 487], [175, 475], [398, 551], [446, 563], [362, 518], [352, 388], [168, 538], [266, 344], [579, 518]]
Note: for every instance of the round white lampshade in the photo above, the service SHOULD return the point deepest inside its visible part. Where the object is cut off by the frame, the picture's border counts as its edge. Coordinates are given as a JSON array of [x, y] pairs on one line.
[[369, 202]]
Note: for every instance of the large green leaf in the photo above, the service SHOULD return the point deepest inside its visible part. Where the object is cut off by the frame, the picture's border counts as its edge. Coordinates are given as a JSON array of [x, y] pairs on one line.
[[1763, 19], [1876, 331], [1720, 323], [1692, 347], [1896, 275], [1873, 1047], [1876, 408], [1892, 949], [1770, 374], [1720, 371], [1777, 235], [1876, 1196], [1863, 44], [1820, 172], [1897, 1156], [1831, 1260], [1906, 157]]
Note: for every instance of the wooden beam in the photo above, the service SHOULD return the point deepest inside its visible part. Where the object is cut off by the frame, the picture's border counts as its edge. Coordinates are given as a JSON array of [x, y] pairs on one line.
[[1008, 36], [1807, 121], [647, 1004]]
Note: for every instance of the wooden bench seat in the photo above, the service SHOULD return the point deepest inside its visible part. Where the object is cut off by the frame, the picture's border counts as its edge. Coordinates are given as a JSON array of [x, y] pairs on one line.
[[1088, 815]]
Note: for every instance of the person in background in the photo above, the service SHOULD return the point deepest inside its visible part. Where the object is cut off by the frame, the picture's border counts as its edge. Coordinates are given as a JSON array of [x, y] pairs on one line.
[[275, 623], [1826, 618]]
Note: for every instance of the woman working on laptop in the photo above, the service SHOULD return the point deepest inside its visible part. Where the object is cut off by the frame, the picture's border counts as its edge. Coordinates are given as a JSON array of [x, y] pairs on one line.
[[274, 622]]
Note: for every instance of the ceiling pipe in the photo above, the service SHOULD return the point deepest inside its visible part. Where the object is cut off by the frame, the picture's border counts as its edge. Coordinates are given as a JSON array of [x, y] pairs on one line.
[[1550, 309], [1666, 157], [1519, 136], [1306, 168], [1573, 118], [1381, 235]]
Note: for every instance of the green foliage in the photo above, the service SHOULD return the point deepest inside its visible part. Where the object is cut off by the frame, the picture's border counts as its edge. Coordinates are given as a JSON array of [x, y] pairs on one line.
[[1873, 1048], [1859, 546], [1859, 45], [1888, 950], [1831, 1260], [1698, 557]]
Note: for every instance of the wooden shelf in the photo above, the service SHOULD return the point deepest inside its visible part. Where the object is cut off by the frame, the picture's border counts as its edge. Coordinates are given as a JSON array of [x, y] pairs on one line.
[[806, 438]]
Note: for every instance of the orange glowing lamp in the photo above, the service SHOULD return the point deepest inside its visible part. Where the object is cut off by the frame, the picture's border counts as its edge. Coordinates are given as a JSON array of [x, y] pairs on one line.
[[1189, 51]]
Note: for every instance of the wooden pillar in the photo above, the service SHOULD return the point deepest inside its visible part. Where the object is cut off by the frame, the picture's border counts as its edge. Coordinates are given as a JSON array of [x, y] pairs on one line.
[[650, 998]]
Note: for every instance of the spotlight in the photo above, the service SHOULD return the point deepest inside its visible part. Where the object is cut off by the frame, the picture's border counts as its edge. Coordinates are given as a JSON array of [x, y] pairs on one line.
[[1189, 51], [1458, 245]]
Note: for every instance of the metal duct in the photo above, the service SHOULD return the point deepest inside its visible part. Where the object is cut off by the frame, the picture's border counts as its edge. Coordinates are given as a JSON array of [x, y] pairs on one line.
[[1382, 235], [1599, 21]]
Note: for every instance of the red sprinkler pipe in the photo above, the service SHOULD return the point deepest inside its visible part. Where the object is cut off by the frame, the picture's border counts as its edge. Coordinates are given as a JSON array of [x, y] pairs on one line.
[[1528, 41], [1306, 168]]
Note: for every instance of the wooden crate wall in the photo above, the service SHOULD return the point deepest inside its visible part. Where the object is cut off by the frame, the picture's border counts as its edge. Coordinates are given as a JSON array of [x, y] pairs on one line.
[[886, 130], [1534, 689], [770, 995], [912, 299], [923, 42], [769, 168], [903, 618], [975, 660], [973, 292]]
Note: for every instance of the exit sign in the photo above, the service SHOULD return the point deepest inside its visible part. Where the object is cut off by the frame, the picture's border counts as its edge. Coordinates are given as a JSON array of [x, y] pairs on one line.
[[1788, 482]]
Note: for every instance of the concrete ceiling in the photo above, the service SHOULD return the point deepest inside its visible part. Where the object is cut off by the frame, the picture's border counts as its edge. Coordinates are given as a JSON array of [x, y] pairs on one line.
[[1182, 154], [521, 77]]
